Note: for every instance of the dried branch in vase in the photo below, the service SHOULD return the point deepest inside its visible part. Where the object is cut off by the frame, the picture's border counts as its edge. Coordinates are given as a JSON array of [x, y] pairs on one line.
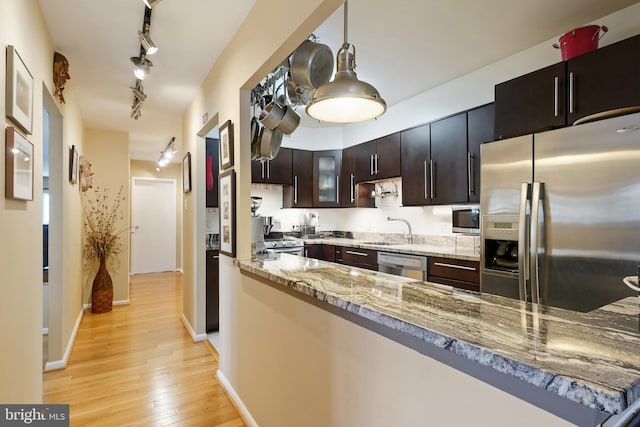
[[102, 213]]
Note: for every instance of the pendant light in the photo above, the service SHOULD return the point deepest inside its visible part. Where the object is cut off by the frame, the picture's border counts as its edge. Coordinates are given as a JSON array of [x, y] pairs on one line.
[[346, 99]]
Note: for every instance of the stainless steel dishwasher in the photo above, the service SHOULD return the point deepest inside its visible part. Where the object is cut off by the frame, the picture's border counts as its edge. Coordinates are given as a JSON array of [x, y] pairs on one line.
[[413, 266]]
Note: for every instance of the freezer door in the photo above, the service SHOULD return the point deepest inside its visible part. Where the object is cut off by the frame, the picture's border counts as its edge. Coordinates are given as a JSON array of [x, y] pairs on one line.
[[504, 166], [589, 216]]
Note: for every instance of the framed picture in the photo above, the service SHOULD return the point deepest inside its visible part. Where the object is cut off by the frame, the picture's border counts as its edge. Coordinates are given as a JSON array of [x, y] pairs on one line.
[[73, 164], [18, 166], [186, 173], [227, 188], [226, 145], [19, 95]]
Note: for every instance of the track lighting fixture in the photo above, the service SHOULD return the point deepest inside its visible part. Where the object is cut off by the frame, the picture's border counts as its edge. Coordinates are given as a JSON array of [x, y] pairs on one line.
[[145, 41], [167, 153], [151, 3], [142, 66]]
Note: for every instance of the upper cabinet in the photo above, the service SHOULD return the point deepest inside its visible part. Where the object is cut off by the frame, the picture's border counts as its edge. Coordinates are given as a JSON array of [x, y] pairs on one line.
[[415, 150], [601, 80], [479, 130], [530, 103], [300, 193], [448, 169], [604, 79], [378, 159], [326, 178], [274, 171], [211, 172], [352, 194]]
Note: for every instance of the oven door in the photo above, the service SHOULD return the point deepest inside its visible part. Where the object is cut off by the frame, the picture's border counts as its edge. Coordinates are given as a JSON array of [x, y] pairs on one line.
[[291, 250]]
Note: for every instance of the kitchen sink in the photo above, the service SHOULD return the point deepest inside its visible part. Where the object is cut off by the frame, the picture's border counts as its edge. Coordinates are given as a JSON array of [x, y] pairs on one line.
[[382, 243]]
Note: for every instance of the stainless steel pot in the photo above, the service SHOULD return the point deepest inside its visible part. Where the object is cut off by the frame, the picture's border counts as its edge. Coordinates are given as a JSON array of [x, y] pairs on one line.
[[272, 115], [270, 142], [290, 120], [311, 64]]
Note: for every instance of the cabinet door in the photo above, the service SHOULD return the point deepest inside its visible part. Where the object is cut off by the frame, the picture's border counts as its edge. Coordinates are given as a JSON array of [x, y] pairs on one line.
[[353, 195], [415, 158], [387, 157], [531, 103], [279, 168], [313, 251], [212, 291], [604, 79], [300, 193], [326, 178], [211, 172], [365, 153], [454, 272], [449, 160], [257, 171], [328, 253], [479, 130]]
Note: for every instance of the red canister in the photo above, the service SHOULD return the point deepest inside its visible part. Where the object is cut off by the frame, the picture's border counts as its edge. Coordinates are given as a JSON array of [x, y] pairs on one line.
[[580, 40]]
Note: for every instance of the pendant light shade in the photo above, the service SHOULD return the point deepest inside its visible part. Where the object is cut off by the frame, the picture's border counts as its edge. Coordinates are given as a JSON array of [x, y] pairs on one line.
[[346, 99]]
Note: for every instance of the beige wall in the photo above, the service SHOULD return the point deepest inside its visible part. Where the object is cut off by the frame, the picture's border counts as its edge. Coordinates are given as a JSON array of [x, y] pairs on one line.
[[145, 169], [108, 153], [22, 25]]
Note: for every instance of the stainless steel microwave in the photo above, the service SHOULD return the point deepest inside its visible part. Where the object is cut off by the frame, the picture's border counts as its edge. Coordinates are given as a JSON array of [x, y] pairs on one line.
[[465, 220]]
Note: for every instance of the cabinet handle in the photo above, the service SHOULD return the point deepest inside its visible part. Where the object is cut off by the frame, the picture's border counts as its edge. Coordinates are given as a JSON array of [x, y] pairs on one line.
[[216, 256], [459, 267], [262, 169], [472, 184], [356, 253], [306, 253], [295, 190], [431, 172], [426, 195], [268, 162], [352, 187], [571, 84], [555, 96], [371, 165], [338, 189], [377, 170]]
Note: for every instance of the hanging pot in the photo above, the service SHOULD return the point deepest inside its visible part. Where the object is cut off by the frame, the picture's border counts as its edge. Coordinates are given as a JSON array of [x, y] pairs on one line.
[[270, 142], [311, 64], [255, 142], [290, 121]]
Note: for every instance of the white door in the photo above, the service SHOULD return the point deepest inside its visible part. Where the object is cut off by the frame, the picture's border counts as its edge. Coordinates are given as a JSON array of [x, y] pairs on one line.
[[153, 241]]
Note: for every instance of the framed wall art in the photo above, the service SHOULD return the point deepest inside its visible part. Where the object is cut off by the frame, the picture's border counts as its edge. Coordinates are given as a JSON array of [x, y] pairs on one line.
[[186, 173], [73, 164], [19, 91], [227, 188], [226, 145], [18, 166]]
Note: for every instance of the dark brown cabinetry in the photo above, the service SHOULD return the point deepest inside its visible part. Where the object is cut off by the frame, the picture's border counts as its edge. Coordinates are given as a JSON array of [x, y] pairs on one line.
[[274, 171], [378, 159], [211, 172], [531, 103], [479, 130], [352, 194], [326, 178], [415, 151], [300, 193], [212, 291], [448, 169], [357, 257], [454, 272], [320, 251], [604, 79], [555, 96]]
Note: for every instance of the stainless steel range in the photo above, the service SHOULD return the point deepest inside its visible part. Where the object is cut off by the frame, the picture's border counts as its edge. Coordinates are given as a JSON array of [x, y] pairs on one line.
[[292, 247]]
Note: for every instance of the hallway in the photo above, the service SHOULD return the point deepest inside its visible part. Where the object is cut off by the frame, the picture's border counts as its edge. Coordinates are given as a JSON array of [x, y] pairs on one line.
[[138, 366]]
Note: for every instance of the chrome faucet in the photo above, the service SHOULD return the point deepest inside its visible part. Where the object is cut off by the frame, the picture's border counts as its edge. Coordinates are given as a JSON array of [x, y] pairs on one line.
[[410, 234]]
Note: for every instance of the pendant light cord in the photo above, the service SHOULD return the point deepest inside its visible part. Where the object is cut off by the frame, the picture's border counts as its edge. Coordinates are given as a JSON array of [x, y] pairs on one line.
[[346, 21]]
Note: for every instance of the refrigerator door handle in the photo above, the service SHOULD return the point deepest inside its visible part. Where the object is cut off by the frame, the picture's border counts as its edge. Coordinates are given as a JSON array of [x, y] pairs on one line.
[[537, 195], [523, 240]]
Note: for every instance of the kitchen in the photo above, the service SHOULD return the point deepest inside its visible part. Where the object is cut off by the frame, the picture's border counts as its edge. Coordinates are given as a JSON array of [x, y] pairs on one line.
[[360, 223]]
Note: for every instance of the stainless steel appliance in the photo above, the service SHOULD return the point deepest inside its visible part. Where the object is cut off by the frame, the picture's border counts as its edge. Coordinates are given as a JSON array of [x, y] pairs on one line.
[[292, 247], [465, 219], [561, 214], [412, 266]]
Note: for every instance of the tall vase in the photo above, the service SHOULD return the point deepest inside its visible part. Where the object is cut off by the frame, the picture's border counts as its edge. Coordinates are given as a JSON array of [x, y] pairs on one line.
[[102, 290]]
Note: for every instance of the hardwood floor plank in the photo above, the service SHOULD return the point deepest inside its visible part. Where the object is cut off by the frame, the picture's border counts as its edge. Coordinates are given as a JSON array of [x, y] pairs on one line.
[[138, 366]]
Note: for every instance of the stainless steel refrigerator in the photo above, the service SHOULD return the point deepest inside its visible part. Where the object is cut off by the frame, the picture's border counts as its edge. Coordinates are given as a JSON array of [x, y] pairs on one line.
[[560, 214]]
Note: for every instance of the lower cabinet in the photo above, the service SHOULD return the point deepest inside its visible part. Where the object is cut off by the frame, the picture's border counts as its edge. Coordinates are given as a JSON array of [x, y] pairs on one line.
[[454, 272], [213, 291], [320, 251], [357, 257]]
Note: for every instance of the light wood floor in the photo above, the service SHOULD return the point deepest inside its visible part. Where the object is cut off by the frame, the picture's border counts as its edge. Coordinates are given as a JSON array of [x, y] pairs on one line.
[[138, 366]]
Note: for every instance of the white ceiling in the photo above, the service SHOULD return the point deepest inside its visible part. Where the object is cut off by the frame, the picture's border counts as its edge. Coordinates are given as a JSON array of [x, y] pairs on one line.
[[403, 48]]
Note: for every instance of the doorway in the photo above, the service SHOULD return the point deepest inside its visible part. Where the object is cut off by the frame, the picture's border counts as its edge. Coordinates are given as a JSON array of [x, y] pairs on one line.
[[153, 216]]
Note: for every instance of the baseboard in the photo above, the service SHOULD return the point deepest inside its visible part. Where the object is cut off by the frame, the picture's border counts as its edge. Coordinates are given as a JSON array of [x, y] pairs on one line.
[[61, 364], [118, 302], [237, 402], [179, 270], [187, 326]]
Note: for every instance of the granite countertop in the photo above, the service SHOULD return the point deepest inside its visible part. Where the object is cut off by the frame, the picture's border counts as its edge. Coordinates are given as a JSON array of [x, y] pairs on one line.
[[426, 249], [589, 358]]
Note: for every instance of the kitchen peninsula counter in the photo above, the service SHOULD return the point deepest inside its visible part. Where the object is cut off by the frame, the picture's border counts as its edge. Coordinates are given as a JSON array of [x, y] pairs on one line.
[[592, 359]]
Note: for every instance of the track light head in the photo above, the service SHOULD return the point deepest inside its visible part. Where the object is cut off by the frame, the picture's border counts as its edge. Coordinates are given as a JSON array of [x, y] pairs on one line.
[[151, 3], [147, 44], [143, 65]]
